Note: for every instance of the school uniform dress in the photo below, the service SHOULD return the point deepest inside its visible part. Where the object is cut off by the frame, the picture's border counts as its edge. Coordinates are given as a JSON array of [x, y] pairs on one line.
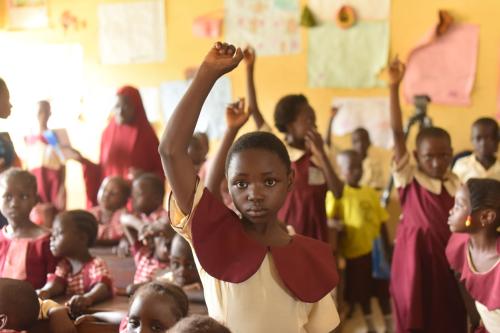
[[123, 147], [252, 288], [483, 287], [424, 291], [112, 229], [468, 167], [46, 165], [93, 272], [27, 259], [147, 266], [362, 216]]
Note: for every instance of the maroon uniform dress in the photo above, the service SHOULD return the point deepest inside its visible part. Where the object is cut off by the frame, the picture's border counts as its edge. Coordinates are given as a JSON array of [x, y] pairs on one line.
[[304, 208], [425, 294]]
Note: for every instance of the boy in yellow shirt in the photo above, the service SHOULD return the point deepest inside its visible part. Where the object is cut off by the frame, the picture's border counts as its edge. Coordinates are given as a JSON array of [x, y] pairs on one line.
[[363, 219]]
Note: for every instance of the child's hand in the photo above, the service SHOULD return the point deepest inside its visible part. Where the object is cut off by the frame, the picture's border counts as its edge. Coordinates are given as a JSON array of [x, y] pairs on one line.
[[122, 250], [85, 318], [396, 71], [235, 114], [221, 59], [59, 321], [249, 56], [314, 143], [78, 304], [333, 112]]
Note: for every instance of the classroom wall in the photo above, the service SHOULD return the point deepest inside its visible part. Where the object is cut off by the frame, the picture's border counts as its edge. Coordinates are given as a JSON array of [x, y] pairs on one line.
[[275, 76]]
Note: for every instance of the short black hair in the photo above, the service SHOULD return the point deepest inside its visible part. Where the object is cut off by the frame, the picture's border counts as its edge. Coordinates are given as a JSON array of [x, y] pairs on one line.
[[260, 140], [19, 301], [484, 193], [432, 132], [286, 110], [487, 121], [84, 222], [26, 176], [180, 306], [122, 183], [362, 130], [199, 324], [156, 183]]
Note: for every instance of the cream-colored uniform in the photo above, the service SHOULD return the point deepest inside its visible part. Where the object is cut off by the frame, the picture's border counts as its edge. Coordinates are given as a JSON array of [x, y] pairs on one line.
[[260, 304], [468, 167]]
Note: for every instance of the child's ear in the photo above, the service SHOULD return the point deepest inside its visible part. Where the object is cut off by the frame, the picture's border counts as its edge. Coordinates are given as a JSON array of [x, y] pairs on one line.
[[3, 320], [487, 217], [291, 178]]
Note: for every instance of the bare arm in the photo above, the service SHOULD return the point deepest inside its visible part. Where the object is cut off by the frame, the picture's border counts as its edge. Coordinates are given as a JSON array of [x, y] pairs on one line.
[[315, 144], [328, 133], [174, 143], [235, 118], [396, 74], [51, 289], [253, 107], [79, 303], [129, 222]]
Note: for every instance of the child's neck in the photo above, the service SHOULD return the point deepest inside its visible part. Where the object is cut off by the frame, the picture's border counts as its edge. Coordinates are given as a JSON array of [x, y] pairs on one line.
[[268, 234], [78, 259], [24, 229], [486, 161], [484, 240]]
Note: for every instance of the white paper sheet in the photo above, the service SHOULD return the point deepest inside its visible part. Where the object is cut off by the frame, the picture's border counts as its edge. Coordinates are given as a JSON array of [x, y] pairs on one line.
[[372, 113], [132, 32], [151, 101], [30, 14], [326, 10], [212, 117], [270, 26]]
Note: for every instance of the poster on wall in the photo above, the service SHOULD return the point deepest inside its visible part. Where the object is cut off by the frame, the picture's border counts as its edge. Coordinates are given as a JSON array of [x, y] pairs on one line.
[[212, 118], [351, 58], [270, 26], [27, 14], [132, 32], [371, 113]]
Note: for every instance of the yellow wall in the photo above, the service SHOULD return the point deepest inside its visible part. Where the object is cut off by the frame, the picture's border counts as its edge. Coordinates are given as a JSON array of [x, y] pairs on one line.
[[276, 76]]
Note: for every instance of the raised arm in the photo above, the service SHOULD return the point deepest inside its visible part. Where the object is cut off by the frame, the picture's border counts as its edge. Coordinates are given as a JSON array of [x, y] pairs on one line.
[[328, 134], [235, 119], [396, 74], [253, 108], [178, 167], [315, 144]]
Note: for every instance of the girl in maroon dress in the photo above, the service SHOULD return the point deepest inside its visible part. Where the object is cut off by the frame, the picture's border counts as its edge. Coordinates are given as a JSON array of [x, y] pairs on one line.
[[473, 250], [24, 246], [128, 144], [304, 208], [426, 297]]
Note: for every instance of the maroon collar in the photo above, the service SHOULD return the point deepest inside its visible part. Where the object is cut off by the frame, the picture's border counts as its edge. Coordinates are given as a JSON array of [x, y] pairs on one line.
[[225, 251]]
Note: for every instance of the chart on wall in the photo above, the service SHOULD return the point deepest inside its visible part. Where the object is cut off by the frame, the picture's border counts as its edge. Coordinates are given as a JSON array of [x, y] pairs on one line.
[[132, 32], [27, 14], [270, 26], [212, 118]]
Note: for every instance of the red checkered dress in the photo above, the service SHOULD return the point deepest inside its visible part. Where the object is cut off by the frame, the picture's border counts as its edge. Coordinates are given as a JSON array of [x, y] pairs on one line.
[[146, 264], [92, 273]]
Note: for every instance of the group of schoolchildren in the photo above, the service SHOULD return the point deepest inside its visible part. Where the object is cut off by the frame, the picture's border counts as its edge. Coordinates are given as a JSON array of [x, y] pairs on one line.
[[248, 233]]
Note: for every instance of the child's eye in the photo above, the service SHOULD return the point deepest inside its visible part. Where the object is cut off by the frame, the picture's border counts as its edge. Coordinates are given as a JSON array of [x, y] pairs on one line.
[[270, 182], [133, 322], [241, 185], [157, 328], [175, 265], [24, 197]]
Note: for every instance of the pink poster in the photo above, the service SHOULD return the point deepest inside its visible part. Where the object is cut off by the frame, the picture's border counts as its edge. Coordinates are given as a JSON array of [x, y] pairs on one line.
[[444, 67]]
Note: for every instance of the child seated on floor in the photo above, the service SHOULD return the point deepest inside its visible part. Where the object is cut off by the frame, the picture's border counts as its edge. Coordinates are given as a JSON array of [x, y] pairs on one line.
[[199, 324], [83, 277], [21, 309], [152, 254], [24, 246], [154, 307], [112, 197], [148, 192]]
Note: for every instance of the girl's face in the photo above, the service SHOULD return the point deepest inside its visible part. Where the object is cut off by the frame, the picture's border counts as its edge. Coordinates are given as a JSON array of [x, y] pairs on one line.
[[124, 111], [259, 183], [162, 247], [434, 156], [460, 211], [485, 140], [65, 237], [303, 123], [18, 198], [5, 105], [182, 263], [144, 197], [150, 313], [351, 169], [111, 196]]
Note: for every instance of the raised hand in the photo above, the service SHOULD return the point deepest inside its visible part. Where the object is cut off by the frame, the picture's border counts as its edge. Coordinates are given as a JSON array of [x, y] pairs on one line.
[[314, 143], [221, 59], [396, 71], [236, 116], [249, 56]]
